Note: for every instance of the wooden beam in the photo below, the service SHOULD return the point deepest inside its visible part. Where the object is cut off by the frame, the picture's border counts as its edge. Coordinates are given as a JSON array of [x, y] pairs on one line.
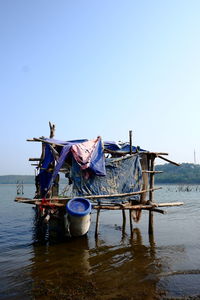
[[127, 152], [35, 202], [168, 160], [138, 206], [44, 141], [131, 222], [92, 196], [152, 172], [97, 223], [34, 159], [151, 193], [151, 180], [124, 221], [170, 204], [158, 153], [55, 201]]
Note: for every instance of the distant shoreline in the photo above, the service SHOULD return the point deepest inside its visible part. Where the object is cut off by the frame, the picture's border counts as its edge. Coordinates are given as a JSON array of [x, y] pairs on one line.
[[186, 173]]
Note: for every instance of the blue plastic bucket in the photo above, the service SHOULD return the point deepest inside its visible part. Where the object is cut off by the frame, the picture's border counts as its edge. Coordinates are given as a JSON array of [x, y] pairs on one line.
[[79, 207]]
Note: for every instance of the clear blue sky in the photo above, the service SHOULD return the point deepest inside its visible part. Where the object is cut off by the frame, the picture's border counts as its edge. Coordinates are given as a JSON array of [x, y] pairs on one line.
[[99, 67]]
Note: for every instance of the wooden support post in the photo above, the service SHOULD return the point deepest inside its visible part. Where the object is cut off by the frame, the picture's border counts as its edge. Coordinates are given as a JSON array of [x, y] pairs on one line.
[[52, 130], [130, 211], [152, 246], [131, 222], [97, 223], [124, 221], [151, 194], [130, 141], [150, 222]]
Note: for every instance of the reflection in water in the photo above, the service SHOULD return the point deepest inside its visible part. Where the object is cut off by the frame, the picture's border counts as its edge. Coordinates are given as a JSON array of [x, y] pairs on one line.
[[130, 269], [62, 270], [47, 266], [48, 232], [75, 270]]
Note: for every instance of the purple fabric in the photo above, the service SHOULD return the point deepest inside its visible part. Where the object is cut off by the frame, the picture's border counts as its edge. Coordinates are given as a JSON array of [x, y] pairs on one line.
[[64, 142], [44, 176], [65, 151], [125, 147], [97, 164], [48, 158]]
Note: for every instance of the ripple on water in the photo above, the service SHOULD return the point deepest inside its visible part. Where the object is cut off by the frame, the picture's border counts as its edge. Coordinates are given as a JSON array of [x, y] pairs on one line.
[[113, 266]]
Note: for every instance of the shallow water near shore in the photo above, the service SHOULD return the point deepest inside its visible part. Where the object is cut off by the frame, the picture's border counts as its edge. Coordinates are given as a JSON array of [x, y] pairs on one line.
[[113, 266]]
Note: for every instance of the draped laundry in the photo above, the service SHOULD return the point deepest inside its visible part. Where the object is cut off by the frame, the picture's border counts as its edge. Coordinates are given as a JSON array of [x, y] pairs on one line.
[[88, 155]]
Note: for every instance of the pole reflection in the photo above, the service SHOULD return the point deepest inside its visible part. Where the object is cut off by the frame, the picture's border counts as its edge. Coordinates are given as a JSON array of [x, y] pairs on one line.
[[95, 268]]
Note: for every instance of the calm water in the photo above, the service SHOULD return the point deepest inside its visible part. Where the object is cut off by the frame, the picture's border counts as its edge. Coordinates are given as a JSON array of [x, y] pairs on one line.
[[167, 266]]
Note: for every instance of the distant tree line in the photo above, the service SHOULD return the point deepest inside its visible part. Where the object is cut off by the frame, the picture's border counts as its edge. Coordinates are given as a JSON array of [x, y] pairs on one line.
[[186, 173], [26, 179], [11, 179]]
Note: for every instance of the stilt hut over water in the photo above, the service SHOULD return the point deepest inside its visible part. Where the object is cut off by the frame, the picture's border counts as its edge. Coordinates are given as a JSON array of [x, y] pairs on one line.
[[100, 175]]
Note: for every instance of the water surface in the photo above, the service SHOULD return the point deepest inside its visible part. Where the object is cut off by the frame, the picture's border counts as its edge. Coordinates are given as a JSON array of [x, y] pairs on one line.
[[114, 266]]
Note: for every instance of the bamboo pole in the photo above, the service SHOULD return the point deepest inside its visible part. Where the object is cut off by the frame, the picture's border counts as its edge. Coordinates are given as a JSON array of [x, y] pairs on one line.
[[151, 182], [52, 130], [44, 141], [138, 207], [17, 199], [131, 222], [111, 207], [97, 223], [168, 160], [169, 204], [124, 221], [123, 152], [145, 177], [34, 159], [151, 195], [130, 211], [119, 207], [154, 172], [130, 141]]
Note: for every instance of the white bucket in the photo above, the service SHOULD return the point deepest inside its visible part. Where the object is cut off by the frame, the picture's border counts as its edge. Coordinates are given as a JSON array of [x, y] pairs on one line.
[[79, 226], [78, 219]]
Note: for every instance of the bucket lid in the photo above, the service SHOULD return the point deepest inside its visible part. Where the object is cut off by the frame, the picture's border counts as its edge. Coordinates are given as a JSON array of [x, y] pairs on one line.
[[78, 207]]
